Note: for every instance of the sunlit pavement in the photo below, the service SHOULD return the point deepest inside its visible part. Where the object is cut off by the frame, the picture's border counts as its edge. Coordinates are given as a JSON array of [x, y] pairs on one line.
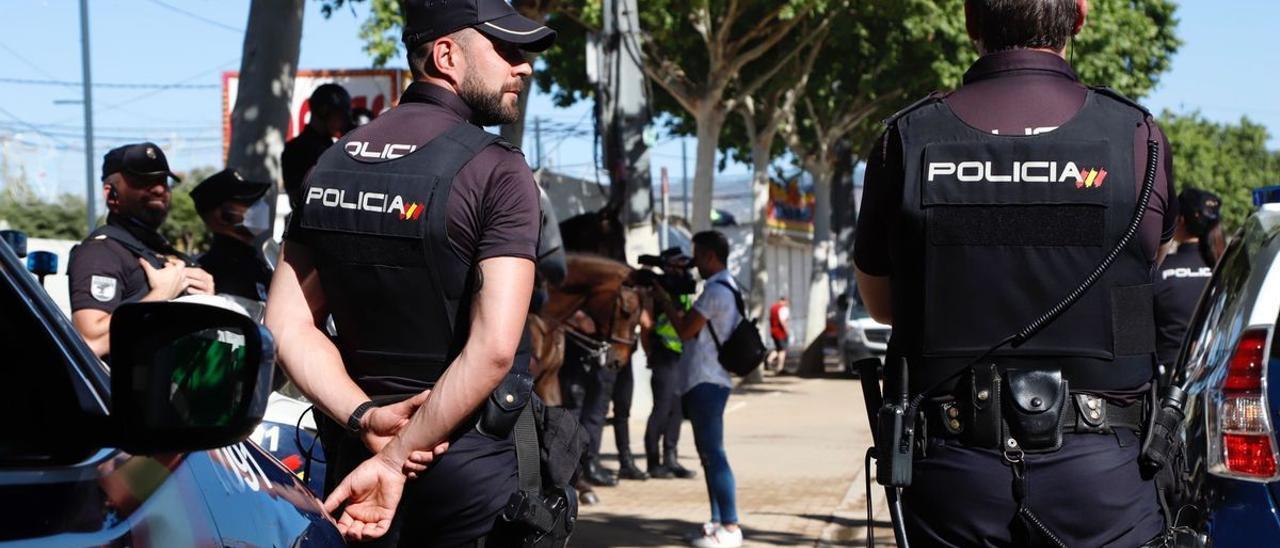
[[796, 446]]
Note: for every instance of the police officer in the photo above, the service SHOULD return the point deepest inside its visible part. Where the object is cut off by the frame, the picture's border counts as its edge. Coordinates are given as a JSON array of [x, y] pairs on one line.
[[330, 119], [127, 260], [984, 207], [232, 209], [662, 348], [418, 232], [1186, 269]]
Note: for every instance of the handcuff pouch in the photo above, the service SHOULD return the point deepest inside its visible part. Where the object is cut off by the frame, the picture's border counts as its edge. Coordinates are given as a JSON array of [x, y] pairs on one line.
[[1036, 400]]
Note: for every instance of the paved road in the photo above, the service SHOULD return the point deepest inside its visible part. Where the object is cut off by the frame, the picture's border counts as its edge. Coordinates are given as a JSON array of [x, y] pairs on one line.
[[796, 447]]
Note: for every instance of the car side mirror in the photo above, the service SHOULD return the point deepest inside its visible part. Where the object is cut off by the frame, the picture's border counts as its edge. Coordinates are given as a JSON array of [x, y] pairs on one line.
[[186, 376]]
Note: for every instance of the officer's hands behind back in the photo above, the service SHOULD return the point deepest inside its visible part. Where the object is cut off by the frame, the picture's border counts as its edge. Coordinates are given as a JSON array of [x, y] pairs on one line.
[[384, 422], [368, 497]]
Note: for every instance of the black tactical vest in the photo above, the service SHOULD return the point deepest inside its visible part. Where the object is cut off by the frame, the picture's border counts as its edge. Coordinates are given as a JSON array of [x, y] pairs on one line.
[[996, 229], [400, 298], [142, 242]]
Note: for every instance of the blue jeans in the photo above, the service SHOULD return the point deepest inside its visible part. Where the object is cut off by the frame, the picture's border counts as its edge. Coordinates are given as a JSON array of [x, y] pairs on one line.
[[704, 405]]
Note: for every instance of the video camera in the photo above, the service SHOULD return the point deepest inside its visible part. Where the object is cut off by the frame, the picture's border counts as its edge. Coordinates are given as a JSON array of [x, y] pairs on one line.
[[673, 272]]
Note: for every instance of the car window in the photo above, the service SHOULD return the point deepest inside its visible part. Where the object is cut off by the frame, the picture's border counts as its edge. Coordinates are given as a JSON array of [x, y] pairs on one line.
[[44, 415]]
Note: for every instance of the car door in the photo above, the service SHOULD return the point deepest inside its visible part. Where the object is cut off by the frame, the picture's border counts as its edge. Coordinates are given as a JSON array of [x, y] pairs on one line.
[[59, 486]]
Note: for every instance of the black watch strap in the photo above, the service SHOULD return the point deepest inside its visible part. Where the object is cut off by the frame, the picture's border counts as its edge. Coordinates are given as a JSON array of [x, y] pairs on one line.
[[353, 422]]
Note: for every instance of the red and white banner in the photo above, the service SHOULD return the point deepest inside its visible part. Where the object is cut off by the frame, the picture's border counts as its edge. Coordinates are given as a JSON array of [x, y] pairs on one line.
[[373, 89]]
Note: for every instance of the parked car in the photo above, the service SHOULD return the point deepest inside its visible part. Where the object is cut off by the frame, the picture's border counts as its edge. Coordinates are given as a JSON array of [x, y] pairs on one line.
[[862, 337], [148, 452], [1230, 366]]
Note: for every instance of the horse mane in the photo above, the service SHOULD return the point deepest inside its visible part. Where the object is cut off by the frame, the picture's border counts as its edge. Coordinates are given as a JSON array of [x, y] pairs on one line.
[[588, 271]]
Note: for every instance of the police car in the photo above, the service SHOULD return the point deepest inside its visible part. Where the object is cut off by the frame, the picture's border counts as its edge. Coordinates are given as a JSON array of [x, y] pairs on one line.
[[1230, 366], [152, 451]]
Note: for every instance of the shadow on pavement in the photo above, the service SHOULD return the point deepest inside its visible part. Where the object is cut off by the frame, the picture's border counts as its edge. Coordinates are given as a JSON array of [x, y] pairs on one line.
[[603, 529]]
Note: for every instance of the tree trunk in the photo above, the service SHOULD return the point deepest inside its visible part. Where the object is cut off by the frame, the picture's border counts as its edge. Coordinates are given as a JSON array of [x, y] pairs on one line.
[[710, 121], [759, 230], [819, 278], [759, 235], [260, 119]]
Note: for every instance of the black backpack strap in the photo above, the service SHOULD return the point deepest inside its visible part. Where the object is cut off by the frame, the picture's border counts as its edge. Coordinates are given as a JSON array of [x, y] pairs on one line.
[[742, 311]]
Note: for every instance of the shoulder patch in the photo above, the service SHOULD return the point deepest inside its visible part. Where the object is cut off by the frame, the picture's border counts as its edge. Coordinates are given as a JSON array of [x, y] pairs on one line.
[[103, 288], [1120, 97]]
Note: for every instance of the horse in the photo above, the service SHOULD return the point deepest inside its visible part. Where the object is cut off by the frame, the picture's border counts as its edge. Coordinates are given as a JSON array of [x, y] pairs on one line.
[[604, 291]]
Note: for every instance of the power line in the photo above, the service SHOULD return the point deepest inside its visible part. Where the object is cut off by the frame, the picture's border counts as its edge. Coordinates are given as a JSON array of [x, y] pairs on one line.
[[26, 61], [15, 118], [196, 16], [108, 85]]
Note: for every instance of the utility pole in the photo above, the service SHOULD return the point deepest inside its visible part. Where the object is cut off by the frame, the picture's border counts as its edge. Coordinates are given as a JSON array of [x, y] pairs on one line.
[[684, 176], [537, 140], [89, 195], [624, 116]]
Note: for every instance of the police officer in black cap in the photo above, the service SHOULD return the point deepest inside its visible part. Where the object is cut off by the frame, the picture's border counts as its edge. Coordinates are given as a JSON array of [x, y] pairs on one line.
[[418, 233], [127, 260], [984, 208], [232, 209], [330, 119], [1186, 269]]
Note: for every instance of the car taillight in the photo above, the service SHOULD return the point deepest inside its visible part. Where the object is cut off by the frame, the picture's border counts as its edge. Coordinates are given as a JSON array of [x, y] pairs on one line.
[[1246, 447]]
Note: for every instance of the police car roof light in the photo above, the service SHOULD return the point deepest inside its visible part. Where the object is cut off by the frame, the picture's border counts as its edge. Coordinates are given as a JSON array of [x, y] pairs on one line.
[[42, 263], [1266, 195]]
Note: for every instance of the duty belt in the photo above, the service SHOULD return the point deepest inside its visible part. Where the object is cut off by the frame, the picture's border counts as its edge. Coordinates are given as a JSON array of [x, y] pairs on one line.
[[1089, 414]]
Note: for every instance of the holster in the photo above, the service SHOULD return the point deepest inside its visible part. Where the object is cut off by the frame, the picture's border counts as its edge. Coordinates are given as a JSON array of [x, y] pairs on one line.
[[979, 398], [1035, 404]]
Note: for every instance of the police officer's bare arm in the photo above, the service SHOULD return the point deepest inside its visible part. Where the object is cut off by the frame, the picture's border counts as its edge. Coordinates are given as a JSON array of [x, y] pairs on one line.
[[875, 295], [166, 284], [372, 491]]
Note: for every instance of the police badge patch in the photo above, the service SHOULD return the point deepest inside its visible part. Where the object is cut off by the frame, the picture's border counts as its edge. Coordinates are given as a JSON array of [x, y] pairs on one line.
[[103, 288]]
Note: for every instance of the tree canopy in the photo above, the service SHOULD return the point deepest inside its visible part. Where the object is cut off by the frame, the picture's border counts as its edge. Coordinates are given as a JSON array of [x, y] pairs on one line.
[[1228, 159]]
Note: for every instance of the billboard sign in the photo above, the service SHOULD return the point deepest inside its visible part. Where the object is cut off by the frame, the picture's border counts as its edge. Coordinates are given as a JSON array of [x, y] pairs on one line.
[[376, 90]]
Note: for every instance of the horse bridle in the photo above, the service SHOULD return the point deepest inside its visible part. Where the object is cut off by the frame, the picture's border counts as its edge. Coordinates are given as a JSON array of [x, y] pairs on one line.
[[599, 346]]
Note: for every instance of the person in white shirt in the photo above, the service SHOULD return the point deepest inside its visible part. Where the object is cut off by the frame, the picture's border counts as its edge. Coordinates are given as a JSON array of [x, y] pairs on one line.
[[705, 383]]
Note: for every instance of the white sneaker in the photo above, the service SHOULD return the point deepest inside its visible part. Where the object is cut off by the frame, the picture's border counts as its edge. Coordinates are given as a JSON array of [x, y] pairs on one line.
[[720, 537], [708, 528]]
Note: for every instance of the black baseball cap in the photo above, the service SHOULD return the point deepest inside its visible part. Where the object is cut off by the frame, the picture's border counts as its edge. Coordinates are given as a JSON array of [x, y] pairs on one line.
[[136, 159], [226, 186], [426, 20], [1200, 209]]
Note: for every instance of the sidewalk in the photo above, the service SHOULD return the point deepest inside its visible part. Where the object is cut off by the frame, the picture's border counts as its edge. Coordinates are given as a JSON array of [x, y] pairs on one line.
[[796, 446]]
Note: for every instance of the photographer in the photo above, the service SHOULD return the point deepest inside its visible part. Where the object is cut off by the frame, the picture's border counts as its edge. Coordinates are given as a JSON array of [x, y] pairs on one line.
[[704, 383], [663, 347]]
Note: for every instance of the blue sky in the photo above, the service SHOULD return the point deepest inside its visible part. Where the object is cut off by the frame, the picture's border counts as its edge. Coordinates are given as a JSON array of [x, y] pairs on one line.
[[1226, 69]]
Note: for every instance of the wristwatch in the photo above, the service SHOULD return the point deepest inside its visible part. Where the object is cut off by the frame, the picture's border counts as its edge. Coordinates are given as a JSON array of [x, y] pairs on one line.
[[353, 422]]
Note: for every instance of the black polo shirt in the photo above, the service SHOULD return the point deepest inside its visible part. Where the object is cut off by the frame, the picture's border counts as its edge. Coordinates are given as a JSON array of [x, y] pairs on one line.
[[237, 268], [1017, 91], [300, 155], [103, 274]]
